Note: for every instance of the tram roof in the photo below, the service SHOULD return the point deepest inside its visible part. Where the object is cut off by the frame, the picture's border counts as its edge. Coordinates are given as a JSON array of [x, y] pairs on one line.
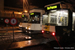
[[38, 8], [54, 3]]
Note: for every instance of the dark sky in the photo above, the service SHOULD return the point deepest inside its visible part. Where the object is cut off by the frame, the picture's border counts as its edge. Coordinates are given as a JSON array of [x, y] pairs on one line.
[[19, 3], [13, 3]]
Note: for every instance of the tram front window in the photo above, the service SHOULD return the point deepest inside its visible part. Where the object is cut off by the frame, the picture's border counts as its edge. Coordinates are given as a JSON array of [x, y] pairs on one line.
[[25, 19], [34, 19], [58, 17]]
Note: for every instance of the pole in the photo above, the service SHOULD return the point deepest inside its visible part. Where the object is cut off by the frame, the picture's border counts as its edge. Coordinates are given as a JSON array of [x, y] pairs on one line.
[[13, 33], [7, 28], [23, 5]]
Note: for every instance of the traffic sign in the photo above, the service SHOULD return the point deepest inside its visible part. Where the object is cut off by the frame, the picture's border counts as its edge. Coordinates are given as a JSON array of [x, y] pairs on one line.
[[6, 21], [13, 21]]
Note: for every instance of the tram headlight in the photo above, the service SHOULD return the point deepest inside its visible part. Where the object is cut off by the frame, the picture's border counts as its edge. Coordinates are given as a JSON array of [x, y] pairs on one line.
[[20, 25], [26, 27], [29, 28]]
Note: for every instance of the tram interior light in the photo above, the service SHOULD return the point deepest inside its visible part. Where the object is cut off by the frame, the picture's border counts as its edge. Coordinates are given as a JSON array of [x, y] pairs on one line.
[[73, 13], [53, 10]]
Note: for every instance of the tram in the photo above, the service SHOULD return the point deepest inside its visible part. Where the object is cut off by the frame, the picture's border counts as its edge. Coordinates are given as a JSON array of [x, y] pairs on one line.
[[58, 20], [24, 23], [35, 21]]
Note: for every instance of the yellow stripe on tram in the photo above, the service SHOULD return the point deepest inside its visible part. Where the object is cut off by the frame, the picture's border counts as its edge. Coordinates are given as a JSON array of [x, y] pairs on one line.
[[47, 27]]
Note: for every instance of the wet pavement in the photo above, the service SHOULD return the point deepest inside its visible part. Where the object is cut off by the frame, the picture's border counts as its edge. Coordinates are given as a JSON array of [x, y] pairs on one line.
[[23, 44], [24, 41], [8, 28], [20, 39], [9, 37]]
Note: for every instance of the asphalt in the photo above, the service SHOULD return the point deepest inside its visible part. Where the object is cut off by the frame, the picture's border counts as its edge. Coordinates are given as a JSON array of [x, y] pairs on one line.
[[22, 44], [9, 28], [6, 39]]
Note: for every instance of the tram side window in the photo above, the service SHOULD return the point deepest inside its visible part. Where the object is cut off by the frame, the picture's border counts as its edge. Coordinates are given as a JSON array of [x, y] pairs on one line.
[[34, 19], [25, 19], [58, 18], [45, 19], [53, 19], [62, 18]]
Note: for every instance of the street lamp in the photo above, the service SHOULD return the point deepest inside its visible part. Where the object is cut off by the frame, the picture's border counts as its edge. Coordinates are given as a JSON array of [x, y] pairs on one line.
[[26, 11]]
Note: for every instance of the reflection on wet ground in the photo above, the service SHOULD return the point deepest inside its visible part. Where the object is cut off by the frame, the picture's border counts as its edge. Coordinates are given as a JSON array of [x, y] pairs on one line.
[[34, 47], [23, 44], [37, 42], [9, 37]]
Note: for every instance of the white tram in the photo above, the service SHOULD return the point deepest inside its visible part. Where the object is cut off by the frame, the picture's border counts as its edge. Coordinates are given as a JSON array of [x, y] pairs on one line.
[[35, 21], [24, 23]]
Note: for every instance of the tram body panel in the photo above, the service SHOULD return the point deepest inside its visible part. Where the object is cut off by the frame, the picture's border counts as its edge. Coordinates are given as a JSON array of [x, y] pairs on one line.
[[34, 27], [43, 27], [24, 25], [52, 29], [37, 27], [49, 28], [30, 26]]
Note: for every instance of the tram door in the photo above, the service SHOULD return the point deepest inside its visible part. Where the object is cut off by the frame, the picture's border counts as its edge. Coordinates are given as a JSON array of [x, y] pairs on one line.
[[45, 21], [73, 22]]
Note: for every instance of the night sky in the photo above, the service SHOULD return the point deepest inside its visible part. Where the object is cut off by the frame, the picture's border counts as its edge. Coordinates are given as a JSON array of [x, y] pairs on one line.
[[19, 3]]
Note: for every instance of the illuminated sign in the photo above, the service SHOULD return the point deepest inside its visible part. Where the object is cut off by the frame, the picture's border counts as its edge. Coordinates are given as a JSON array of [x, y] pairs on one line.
[[31, 13], [52, 7], [22, 15]]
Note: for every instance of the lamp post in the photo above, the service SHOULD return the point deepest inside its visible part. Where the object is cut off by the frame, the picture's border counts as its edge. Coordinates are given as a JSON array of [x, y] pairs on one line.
[[25, 6]]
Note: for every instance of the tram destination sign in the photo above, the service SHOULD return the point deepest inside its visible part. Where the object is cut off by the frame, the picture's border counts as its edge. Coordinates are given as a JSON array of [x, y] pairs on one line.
[[35, 13], [31, 13], [52, 7]]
